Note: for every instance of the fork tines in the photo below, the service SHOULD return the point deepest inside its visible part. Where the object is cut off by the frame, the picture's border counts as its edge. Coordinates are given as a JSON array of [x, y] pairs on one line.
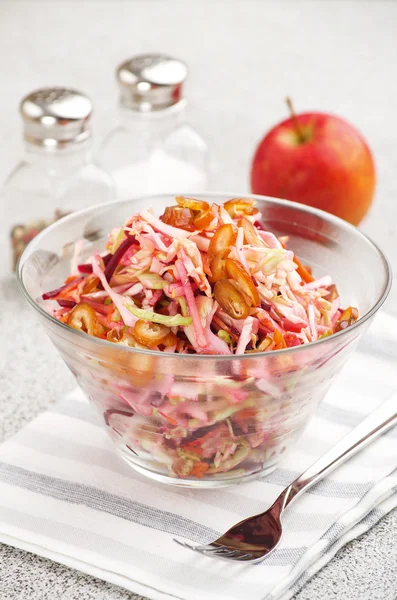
[[220, 551]]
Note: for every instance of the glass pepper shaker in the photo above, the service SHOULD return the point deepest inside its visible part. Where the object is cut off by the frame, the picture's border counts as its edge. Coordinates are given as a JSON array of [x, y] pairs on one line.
[[154, 149], [57, 173]]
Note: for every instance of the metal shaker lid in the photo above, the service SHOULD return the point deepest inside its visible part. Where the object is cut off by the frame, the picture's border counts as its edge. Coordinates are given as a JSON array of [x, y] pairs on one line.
[[56, 116], [151, 82]]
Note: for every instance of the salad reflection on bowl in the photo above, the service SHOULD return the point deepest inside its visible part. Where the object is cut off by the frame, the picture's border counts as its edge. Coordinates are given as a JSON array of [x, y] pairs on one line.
[[205, 332]]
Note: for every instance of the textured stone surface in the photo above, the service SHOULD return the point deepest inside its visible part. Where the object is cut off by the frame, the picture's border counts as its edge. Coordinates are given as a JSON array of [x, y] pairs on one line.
[[244, 58]]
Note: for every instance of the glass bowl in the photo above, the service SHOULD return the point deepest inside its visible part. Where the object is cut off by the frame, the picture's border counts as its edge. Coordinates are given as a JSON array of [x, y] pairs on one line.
[[238, 413]]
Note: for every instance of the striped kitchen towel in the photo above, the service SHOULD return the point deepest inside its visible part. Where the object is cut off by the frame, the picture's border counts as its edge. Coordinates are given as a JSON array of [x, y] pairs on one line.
[[65, 495]]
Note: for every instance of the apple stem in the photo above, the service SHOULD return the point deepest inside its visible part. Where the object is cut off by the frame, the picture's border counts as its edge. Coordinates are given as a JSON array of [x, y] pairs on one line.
[[299, 132]]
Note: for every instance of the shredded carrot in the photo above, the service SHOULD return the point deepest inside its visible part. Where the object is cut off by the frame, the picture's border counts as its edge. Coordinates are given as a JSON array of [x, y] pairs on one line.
[[71, 278], [169, 419], [279, 340], [199, 469], [303, 271]]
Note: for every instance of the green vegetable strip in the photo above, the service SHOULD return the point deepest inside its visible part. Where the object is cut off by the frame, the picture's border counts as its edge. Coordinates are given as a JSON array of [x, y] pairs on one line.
[[147, 315]]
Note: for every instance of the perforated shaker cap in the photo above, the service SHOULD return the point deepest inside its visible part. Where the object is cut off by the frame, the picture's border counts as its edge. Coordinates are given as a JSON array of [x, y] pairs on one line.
[[151, 82], [56, 116]]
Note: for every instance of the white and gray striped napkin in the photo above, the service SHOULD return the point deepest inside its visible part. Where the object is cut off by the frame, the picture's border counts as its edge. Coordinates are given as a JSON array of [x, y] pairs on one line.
[[65, 495]]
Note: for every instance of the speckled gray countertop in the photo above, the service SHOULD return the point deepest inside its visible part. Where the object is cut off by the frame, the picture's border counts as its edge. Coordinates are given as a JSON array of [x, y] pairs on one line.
[[244, 58]]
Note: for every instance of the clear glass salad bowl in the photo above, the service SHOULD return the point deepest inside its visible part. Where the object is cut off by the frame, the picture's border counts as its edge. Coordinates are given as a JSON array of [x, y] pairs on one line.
[[167, 414]]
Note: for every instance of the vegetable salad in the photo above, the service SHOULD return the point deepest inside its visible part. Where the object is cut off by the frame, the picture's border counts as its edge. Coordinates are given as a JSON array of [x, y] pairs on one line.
[[202, 279], [199, 279]]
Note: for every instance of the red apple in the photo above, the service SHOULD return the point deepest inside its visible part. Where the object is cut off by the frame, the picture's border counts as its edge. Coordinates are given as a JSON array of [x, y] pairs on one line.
[[319, 160]]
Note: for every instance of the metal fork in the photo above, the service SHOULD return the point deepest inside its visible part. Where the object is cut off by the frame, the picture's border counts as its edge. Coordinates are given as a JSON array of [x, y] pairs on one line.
[[254, 538]]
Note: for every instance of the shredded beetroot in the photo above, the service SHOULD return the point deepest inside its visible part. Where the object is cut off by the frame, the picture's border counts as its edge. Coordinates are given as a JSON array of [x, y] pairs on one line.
[[84, 268], [265, 306], [112, 411], [67, 303], [63, 288], [115, 259]]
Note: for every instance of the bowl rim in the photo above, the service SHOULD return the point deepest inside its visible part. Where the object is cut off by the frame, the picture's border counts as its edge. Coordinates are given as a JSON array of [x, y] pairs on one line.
[[280, 202]]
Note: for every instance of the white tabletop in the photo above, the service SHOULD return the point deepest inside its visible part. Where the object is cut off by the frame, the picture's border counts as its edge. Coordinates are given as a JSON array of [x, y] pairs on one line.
[[244, 58]]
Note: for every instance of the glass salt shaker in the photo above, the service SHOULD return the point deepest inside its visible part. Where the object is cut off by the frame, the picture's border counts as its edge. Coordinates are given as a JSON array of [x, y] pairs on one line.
[[57, 174], [154, 149]]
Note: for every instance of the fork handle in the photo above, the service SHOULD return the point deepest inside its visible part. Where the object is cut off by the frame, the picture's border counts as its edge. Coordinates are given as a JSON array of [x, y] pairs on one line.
[[378, 422]]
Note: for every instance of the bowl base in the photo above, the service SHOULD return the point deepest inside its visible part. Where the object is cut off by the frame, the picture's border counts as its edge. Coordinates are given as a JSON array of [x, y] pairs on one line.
[[216, 481]]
